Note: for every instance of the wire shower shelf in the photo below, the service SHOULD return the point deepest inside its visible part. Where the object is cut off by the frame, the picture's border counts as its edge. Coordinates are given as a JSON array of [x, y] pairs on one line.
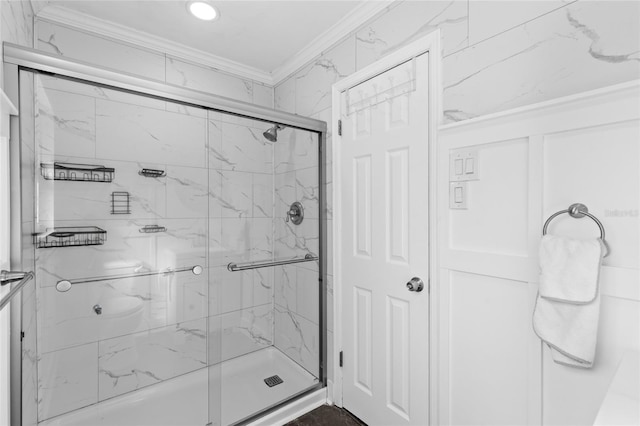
[[120, 202], [76, 172], [70, 237]]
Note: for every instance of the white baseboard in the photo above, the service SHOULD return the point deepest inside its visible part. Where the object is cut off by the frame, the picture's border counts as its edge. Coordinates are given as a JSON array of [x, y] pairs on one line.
[[294, 410]]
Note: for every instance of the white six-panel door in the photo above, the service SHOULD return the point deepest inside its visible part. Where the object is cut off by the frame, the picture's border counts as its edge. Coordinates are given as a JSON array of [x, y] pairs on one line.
[[384, 243]]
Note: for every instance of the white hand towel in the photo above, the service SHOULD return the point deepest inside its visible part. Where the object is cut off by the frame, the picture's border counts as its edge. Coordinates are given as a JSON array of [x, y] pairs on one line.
[[570, 269], [569, 330], [568, 303]]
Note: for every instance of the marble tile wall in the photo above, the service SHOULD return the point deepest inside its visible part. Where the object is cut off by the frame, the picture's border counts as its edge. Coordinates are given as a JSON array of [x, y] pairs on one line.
[[497, 55], [136, 360], [298, 338], [17, 21], [579, 47], [216, 203], [67, 380], [206, 79], [385, 34], [332, 66], [99, 50], [240, 332], [64, 41]]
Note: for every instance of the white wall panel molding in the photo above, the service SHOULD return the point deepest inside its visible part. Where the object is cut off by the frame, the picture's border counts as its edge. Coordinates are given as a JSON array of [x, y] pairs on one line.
[[620, 282], [580, 148], [517, 268], [541, 117]]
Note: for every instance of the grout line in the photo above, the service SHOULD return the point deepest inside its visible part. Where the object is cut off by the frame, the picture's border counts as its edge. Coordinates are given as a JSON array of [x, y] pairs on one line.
[[240, 309], [511, 28]]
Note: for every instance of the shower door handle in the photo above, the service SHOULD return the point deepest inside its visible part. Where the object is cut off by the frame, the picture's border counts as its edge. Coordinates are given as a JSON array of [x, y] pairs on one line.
[[415, 284]]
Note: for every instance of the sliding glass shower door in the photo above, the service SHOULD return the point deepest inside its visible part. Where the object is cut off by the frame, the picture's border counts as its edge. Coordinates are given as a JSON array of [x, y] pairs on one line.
[[176, 252], [264, 258], [120, 236]]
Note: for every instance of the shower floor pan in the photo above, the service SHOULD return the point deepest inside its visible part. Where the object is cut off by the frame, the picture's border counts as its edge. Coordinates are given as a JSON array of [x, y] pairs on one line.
[[184, 400]]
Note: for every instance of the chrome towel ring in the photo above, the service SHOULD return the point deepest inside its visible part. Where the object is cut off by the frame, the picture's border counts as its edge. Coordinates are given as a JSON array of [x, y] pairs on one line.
[[579, 211]]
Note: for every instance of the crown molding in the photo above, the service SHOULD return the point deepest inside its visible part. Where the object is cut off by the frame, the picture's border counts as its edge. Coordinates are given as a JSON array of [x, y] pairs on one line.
[[345, 26], [87, 23], [91, 24]]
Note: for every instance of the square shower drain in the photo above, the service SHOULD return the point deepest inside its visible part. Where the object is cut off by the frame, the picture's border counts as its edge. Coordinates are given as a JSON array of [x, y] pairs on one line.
[[273, 380]]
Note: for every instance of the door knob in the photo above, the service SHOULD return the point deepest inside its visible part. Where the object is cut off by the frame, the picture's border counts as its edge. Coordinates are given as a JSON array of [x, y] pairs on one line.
[[415, 284]]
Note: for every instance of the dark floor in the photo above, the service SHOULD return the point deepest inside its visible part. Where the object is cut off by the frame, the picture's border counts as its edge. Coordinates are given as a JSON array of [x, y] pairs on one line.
[[327, 415]]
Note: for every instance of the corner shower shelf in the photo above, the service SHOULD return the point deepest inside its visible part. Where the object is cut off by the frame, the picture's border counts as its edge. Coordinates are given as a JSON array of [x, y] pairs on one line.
[[70, 237], [76, 172]]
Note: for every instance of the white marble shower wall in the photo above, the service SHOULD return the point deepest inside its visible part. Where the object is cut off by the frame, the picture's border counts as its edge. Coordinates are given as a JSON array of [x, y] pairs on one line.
[[297, 286], [216, 203]]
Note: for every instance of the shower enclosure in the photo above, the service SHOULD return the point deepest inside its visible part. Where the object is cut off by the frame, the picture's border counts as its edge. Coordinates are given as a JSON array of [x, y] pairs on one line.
[[177, 243]]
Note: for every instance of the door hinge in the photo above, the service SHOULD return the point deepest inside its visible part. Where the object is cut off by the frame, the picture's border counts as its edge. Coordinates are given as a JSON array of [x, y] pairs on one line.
[[339, 127], [340, 358], [21, 336]]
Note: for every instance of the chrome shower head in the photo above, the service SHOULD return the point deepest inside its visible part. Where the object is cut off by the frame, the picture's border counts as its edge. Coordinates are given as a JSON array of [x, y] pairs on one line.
[[271, 134]]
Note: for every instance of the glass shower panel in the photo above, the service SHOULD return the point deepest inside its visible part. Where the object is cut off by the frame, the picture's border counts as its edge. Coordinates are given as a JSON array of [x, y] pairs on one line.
[[297, 291], [28, 298], [241, 215], [267, 353], [121, 241]]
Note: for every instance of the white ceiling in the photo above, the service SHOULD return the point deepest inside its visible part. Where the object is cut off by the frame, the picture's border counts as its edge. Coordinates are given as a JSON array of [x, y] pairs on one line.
[[260, 34]]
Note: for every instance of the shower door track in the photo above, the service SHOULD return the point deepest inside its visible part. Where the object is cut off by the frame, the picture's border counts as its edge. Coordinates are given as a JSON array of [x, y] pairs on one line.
[[18, 58], [44, 62]]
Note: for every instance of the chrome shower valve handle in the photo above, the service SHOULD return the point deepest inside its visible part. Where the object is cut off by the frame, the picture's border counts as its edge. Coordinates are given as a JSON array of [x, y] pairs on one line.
[[295, 213]]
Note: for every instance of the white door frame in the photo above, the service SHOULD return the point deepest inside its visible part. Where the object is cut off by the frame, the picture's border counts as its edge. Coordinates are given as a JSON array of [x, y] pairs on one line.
[[429, 43]]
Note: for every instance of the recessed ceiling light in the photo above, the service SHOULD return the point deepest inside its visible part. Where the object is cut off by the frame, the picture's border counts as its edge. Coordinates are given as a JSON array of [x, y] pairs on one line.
[[202, 10]]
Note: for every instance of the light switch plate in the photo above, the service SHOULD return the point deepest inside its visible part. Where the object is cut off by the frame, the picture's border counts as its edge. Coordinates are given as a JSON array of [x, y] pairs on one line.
[[458, 195], [463, 165]]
